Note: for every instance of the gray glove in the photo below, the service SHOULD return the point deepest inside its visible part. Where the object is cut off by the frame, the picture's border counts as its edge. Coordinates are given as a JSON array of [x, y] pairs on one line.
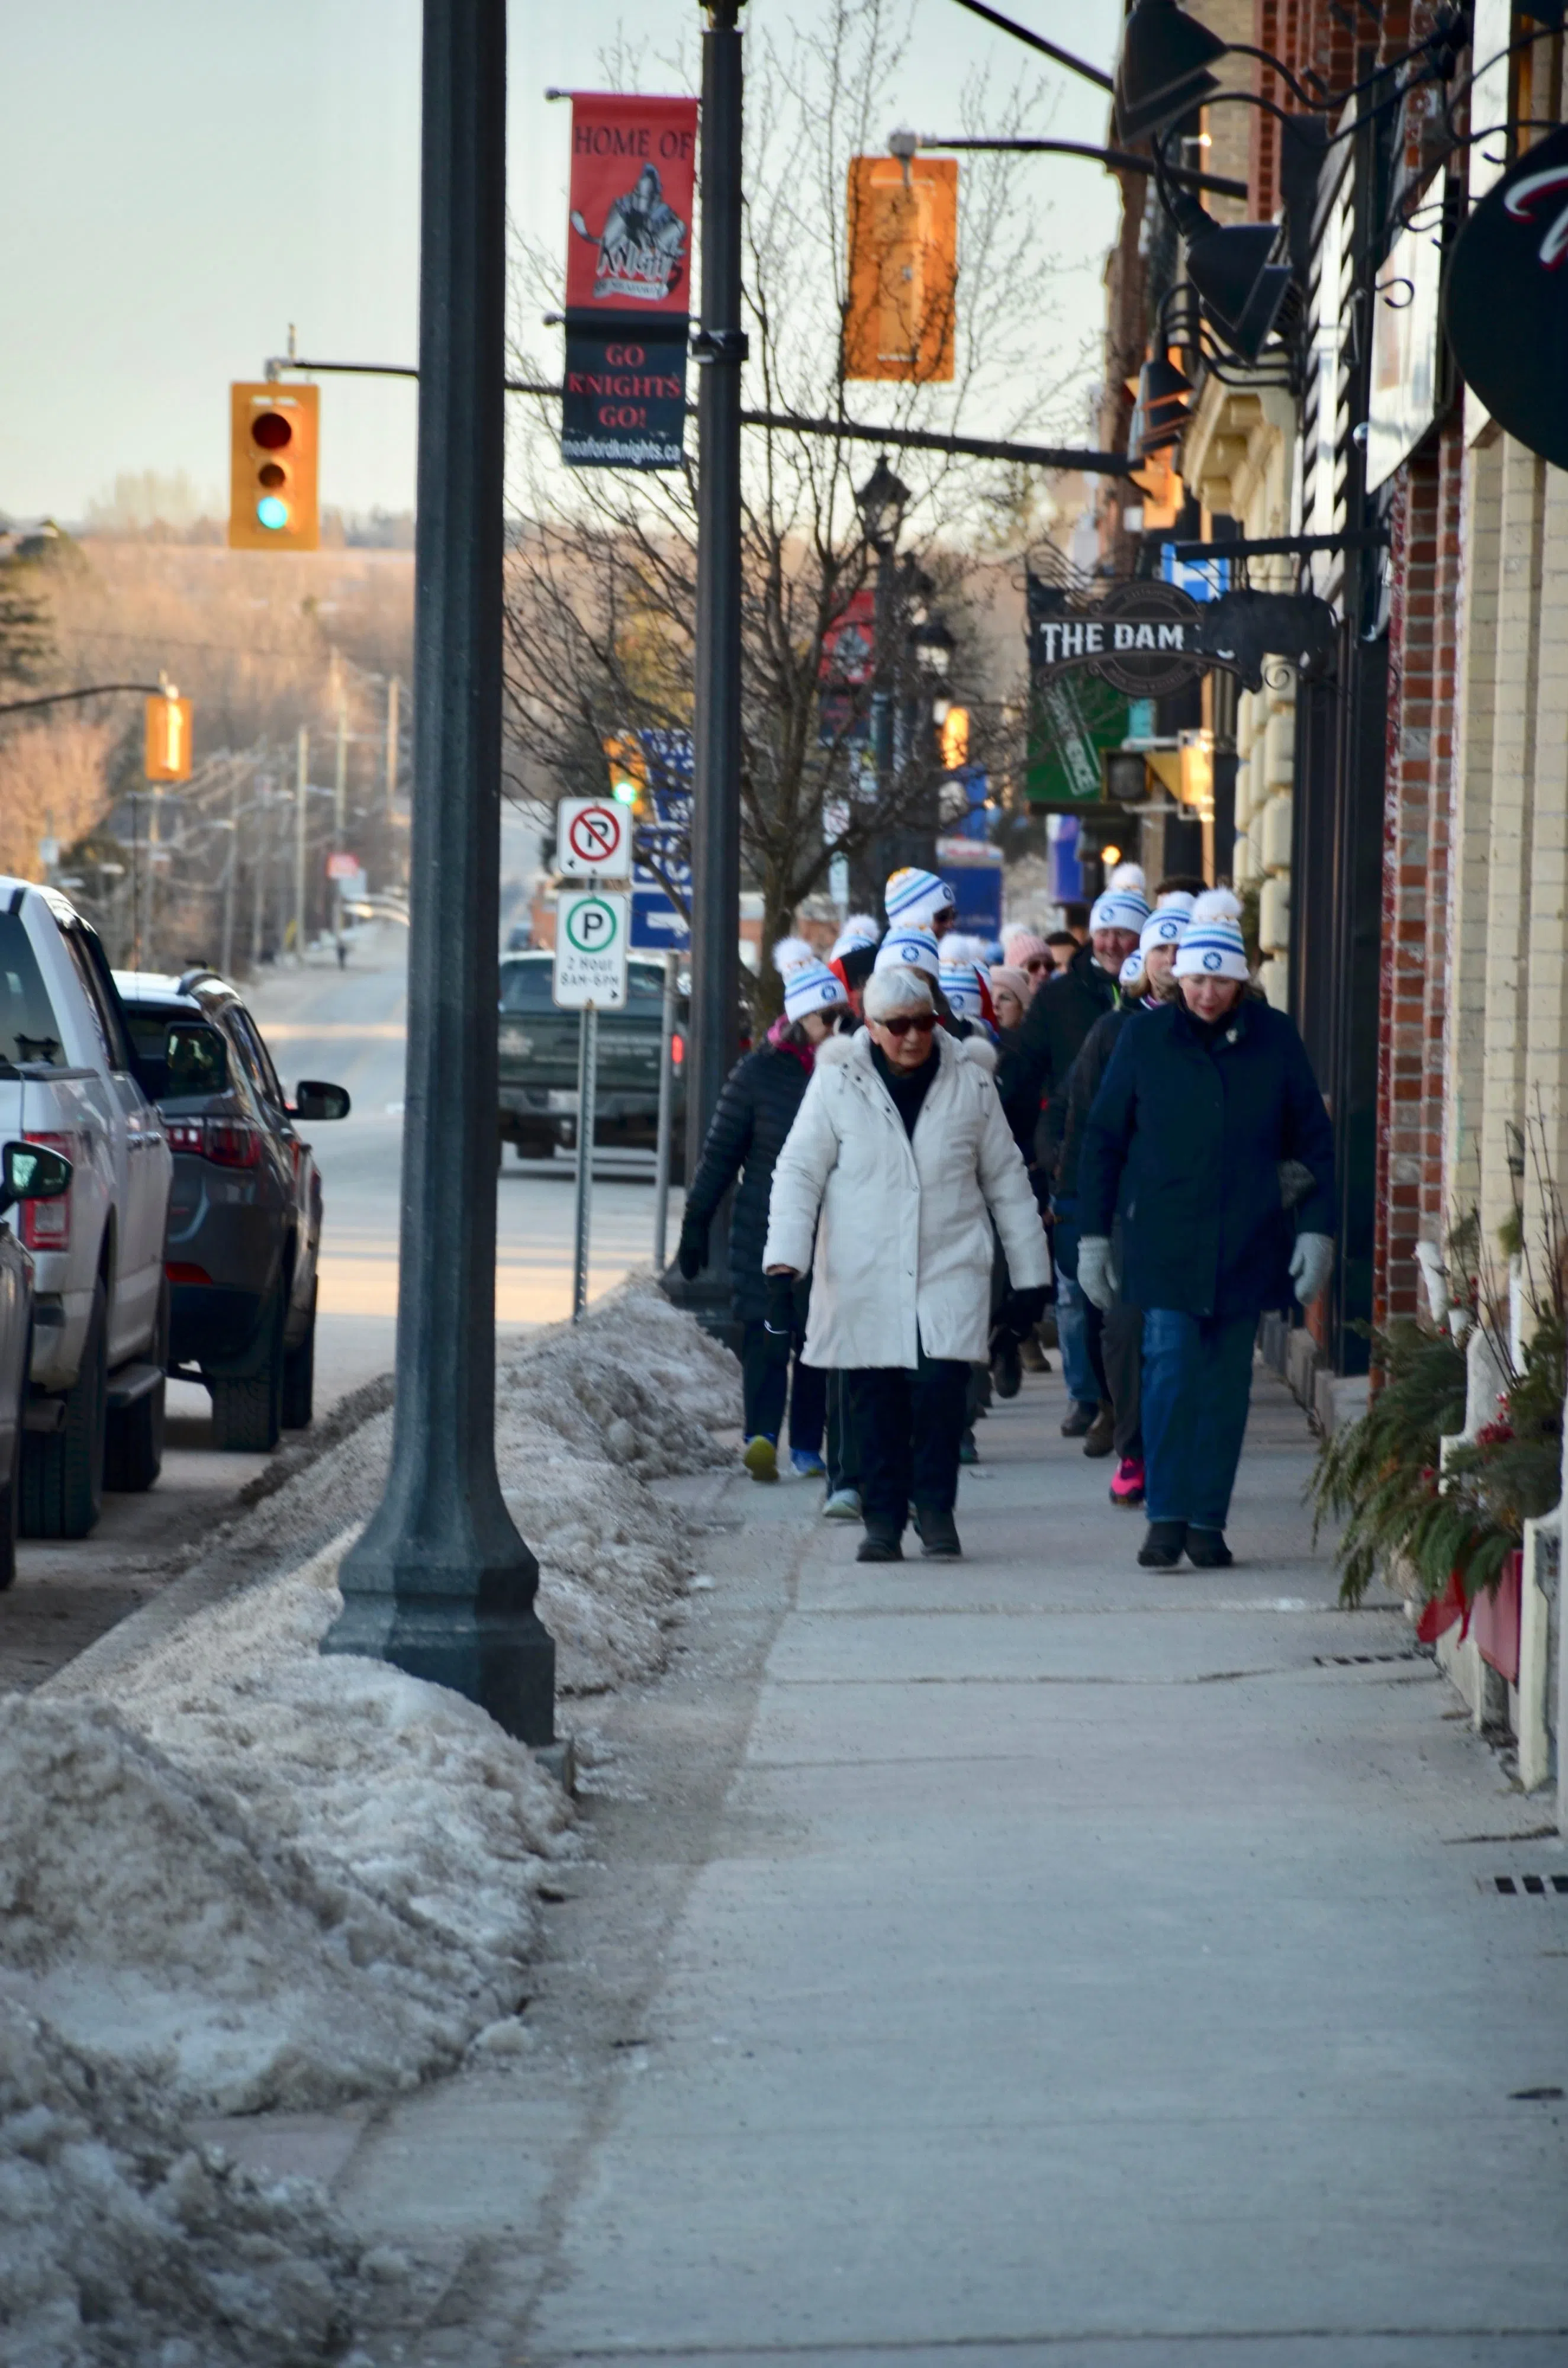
[[1097, 1278], [1311, 1263]]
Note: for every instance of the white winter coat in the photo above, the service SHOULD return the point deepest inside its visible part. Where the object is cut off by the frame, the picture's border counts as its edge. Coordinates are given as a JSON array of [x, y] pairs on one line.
[[902, 1233]]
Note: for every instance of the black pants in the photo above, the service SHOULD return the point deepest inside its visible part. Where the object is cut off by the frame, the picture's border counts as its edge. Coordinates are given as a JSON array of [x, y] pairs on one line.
[[765, 1385], [843, 1447], [908, 1425], [1121, 1350]]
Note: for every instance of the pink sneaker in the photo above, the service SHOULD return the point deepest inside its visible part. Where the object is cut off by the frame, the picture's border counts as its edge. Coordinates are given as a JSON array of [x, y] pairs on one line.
[[1127, 1489]]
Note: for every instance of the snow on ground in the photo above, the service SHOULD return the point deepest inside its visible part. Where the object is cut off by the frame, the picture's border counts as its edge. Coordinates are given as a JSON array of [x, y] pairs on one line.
[[267, 1879], [125, 2245]]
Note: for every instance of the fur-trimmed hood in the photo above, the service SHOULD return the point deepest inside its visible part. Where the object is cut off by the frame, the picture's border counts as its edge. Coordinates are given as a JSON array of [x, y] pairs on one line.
[[839, 1051]]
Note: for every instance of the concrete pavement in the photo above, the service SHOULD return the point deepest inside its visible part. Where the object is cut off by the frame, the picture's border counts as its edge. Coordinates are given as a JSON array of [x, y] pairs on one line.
[[1027, 1959]]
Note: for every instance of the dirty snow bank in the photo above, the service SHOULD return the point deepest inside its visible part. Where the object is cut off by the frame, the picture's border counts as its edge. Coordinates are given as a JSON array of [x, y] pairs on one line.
[[280, 1880], [122, 2244]]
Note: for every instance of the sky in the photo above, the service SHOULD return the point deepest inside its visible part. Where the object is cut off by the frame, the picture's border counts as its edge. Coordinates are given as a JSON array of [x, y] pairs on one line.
[[180, 180]]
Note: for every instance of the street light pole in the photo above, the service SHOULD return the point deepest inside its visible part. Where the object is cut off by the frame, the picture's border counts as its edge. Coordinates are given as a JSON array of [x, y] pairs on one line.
[[720, 347], [440, 1584]]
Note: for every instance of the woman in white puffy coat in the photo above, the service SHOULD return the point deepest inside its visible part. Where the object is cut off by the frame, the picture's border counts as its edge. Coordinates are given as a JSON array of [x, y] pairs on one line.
[[899, 1159]]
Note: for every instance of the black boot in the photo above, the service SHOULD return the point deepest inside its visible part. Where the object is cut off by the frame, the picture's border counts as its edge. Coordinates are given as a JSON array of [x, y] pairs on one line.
[[1207, 1550], [938, 1535], [1006, 1366], [883, 1544], [1080, 1416], [1162, 1546]]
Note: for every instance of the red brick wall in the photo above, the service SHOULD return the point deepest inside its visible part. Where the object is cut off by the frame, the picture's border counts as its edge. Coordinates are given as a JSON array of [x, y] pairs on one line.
[[1423, 563]]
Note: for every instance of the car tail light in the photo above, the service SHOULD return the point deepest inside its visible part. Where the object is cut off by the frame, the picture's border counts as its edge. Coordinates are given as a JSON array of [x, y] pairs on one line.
[[678, 1050], [46, 1225], [177, 1272], [226, 1142]]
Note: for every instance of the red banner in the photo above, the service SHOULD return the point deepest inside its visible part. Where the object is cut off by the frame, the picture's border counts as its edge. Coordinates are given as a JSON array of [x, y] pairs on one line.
[[633, 179]]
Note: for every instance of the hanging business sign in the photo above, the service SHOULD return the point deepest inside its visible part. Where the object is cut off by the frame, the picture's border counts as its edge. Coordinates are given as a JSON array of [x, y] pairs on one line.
[[1141, 638], [1506, 300], [628, 280], [1401, 395]]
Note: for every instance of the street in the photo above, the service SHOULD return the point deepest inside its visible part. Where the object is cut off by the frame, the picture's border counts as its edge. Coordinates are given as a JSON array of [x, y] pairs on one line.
[[346, 1027]]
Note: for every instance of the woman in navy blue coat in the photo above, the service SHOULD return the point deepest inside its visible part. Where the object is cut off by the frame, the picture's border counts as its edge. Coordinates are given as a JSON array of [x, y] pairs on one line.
[[1209, 1140]]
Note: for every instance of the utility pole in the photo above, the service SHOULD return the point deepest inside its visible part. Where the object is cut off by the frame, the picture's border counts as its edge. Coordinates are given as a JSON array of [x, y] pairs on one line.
[[720, 347], [339, 799], [392, 688], [227, 964], [440, 1584], [301, 798]]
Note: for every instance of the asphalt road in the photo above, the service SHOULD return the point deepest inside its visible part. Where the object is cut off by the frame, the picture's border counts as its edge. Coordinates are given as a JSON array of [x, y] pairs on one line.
[[347, 1027]]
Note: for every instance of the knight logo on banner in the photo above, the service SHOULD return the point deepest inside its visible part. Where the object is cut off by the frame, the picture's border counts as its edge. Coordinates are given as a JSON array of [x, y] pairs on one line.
[[628, 280]]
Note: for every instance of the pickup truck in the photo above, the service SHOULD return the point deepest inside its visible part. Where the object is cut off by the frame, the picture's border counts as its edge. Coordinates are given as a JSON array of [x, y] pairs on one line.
[[71, 1080], [539, 1061]]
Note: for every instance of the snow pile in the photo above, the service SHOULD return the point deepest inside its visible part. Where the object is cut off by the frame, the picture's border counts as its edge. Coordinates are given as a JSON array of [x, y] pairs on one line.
[[277, 1880], [124, 2245]]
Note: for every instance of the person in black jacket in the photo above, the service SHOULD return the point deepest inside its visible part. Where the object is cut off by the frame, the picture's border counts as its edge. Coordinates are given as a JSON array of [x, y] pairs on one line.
[[1060, 1013], [1208, 1123], [755, 1113]]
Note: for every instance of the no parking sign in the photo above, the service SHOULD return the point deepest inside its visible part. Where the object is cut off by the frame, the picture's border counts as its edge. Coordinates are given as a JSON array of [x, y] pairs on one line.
[[593, 838], [591, 932]]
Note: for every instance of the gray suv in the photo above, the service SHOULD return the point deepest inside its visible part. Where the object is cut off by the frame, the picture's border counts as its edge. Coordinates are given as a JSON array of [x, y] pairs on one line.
[[246, 1208]]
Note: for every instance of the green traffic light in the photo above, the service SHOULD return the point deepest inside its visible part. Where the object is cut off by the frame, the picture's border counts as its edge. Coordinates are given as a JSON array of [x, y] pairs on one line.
[[272, 513], [625, 793]]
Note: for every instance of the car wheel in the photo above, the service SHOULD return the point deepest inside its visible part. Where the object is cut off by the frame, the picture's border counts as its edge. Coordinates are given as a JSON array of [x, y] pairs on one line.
[[11, 1496], [63, 1470], [133, 1442], [247, 1408], [299, 1376]]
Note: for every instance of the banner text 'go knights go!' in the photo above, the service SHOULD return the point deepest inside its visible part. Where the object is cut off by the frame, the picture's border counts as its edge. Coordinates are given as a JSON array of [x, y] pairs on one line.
[[628, 280]]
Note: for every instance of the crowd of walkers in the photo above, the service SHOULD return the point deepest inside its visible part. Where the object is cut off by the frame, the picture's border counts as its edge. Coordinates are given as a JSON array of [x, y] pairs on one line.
[[938, 1138]]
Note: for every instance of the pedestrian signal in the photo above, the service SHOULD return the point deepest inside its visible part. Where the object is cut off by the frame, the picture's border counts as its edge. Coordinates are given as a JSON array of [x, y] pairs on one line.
[[904, 267], [272, 468], [168, 744]]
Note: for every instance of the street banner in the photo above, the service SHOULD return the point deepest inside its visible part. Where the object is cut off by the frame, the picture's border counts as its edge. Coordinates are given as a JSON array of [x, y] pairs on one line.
[[628, 280], [904, 267]]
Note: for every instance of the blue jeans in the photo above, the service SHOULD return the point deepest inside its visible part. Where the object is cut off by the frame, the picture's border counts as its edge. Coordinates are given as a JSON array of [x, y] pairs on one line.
[[1072, 1310], [1196, 1383]]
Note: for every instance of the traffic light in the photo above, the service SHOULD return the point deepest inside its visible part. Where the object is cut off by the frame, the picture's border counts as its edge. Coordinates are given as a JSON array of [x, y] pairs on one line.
[[904, 267], [272, 468], [167, 746], [955, 739], [628, 771]]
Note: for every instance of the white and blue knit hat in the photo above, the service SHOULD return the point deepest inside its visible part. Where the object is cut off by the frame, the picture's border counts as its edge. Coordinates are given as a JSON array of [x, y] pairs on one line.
[[1131, 969], [1212, 946], [959, 983], [1167, 927], [914, 898], [859, 934], [811, 986], [911, 948], [1120, 908]]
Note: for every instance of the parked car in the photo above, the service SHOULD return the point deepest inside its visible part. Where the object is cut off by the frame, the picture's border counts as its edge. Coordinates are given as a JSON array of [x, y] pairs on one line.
[[539, 1061], [29, 1172], [246, 1214], [70, 1080]]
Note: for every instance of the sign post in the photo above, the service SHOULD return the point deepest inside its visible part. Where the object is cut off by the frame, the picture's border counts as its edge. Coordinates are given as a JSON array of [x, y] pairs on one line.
[[666, 1115], [592, 925]]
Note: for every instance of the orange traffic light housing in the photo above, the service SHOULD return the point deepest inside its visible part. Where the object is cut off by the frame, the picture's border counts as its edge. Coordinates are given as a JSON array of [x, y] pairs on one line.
[[167, 746], [904, 267], [273, 441]]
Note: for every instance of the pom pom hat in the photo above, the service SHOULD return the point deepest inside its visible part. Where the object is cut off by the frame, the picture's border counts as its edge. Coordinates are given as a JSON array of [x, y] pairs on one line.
[[1213, 946], [912, 949], [912, 897], [1166, 928], [811, 987], [859, 934], [1120, 908], [1131, 876], [1131, 969]]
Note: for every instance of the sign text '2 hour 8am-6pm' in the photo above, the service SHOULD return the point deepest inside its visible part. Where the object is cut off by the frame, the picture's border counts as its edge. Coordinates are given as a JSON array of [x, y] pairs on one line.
[[592, 928]]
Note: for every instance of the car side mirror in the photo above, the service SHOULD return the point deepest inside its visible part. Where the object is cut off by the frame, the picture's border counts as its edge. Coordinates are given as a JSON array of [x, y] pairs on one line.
[[196, 1061], [31, 1171], [314, 1101]]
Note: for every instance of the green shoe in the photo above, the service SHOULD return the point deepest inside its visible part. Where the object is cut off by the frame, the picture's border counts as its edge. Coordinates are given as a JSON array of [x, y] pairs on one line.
[[761, 1457]]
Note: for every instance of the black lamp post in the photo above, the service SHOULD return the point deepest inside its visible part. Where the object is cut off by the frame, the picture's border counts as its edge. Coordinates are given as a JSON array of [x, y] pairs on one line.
[[440, 1584], [882, 502]]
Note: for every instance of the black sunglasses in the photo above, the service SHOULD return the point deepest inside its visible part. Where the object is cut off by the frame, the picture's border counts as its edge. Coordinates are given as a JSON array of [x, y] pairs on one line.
[[921, 1021]]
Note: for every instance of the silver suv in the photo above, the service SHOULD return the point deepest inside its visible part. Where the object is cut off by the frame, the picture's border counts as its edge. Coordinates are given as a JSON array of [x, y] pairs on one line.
[[69, 1078]]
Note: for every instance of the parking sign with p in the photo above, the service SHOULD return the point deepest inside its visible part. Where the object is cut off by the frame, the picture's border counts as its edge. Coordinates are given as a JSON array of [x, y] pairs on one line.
[[593, 839], [591, 932]]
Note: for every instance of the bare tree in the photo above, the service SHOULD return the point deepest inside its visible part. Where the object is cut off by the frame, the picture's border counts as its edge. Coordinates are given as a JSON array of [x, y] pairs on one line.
[[601, 586]]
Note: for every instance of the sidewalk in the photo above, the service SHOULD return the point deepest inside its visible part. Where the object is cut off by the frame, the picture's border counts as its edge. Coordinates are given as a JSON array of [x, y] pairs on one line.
[[1027, 1959]]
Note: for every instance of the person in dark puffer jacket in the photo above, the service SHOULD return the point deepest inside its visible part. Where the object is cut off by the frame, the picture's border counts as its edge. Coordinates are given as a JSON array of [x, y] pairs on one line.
[[755, 1113]]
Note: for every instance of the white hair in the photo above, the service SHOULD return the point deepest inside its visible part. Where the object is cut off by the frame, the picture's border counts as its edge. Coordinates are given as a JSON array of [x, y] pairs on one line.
[[897, 989]]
